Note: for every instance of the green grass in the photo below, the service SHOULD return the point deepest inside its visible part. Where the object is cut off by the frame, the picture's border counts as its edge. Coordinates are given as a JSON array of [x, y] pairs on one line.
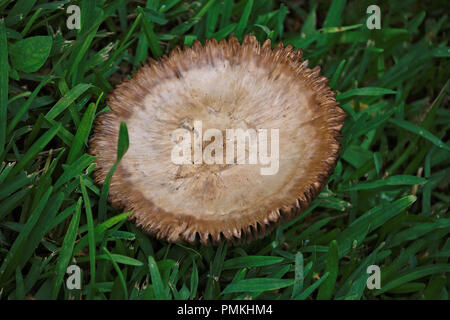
[[386, 203]]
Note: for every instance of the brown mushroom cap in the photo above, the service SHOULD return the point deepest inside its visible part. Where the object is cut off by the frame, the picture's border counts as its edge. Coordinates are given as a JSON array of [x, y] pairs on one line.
[[225, 85]]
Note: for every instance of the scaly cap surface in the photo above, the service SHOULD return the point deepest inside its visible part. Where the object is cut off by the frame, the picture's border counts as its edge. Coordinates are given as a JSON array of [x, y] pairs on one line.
[[226, 85]]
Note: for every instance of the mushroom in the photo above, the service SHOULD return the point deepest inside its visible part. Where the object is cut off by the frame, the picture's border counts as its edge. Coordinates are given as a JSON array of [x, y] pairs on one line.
[[213, 88]]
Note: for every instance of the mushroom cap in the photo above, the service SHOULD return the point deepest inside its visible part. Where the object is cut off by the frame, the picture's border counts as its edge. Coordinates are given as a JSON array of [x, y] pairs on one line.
[[225, 85]]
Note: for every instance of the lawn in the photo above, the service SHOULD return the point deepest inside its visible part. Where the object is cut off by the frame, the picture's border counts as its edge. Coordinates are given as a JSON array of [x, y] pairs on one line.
[[386, 204]]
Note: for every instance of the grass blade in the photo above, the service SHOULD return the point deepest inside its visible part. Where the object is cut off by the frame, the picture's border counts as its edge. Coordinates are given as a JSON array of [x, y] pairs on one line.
[[412, 275], [158, 286], [14, 254], [4, 79], [91, 235], [257, 285], [119, 272], [251, 261], [67, 100], [307, 292], [369, 91], [244, 20], [424, 133], [82, 133], [122, 147], [327, 288], [35, 149], [66, 253]]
